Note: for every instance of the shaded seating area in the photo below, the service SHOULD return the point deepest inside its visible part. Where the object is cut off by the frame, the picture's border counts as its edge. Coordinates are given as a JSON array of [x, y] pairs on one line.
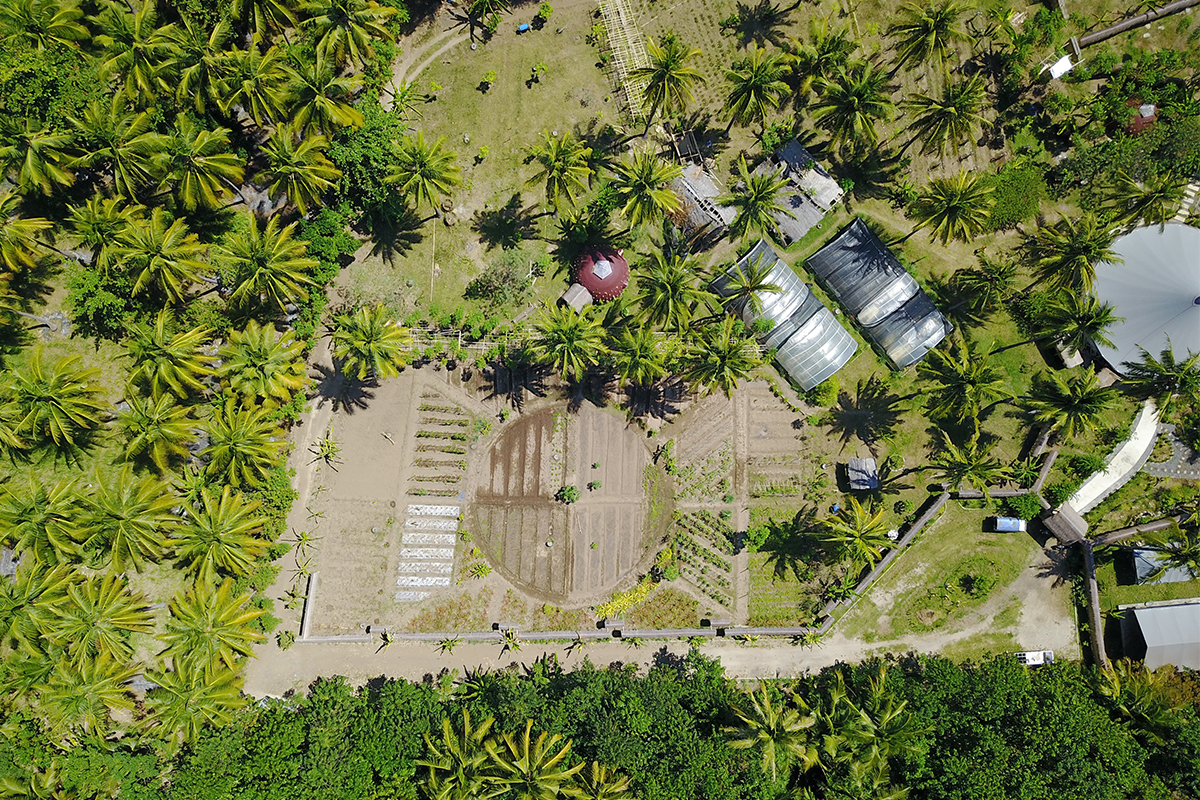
[[863, 474], [809, 343], [873, 286]]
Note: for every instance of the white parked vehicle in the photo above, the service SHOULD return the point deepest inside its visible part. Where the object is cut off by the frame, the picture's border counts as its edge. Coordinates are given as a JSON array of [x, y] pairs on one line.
[[1036, 658]]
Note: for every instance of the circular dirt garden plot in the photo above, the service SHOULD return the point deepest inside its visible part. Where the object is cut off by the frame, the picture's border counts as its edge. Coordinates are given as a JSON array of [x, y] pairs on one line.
[[569, 554]]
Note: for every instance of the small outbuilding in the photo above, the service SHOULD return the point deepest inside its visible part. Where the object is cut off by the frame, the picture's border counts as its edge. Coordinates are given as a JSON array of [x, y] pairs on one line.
[[1161, 633], [1151, 567], [699, 214], [863, 474], [811, 191], [1066, 524]]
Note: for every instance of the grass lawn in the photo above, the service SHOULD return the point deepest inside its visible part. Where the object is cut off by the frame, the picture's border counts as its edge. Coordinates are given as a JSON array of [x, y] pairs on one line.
[[1118, 587], [951, 569]]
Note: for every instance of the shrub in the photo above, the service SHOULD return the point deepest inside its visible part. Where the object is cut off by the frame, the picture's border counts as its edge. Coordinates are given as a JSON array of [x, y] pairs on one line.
[[1018, 191], [489, 78], [480, 570], [1060, 492], [1084, 465], [544, 11], [775, 135], [825, 394], [285, 639], [567, 494], [903, 507], [505, 282], [1025, 506]]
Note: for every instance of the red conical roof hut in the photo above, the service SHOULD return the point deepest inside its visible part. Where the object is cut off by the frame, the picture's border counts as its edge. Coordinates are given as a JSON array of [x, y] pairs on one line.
[[603, 271]]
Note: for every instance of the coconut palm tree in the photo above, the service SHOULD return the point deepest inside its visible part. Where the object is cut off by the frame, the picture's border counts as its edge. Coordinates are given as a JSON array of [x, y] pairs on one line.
[[564, 168], [268, 267], [370, 344], [642, 187], [61, 403], [18, 235], [1178, 547], [668, 293], [344, 28], [825, 53], [424, 172], [321, 100], [1138, 697], [259, 82], [780, 732], [100, 223], [1152, 201], [127, 518], [198, 165], [41, 521], [263, 16], [756, 87], [156, 428], [80, 697], [987, 285], [137, 50], [210, 629], [599, 782], [33, 156], [298, 170], [971, 463], [185, 699], [26, 602], [168, 361], [951, 119], [201, 64], [1075, 321], [218, 536], [1166, 379], [41, 24], [113, 140], [721, 355], [1065, 254], [965, 381], [858, 531], [96, 618], [532, 769], [927, 35], [747, 284], [162, 256], [755, 197], [407, 99], [244, 443], [955, 208], [638, 356], [262, 366], [570, 342], [1072, 404], [458, 763], [851, 102], [669, 76]]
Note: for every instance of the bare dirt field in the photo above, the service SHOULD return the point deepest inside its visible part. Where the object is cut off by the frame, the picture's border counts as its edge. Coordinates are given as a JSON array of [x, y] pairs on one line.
[[573, 554]]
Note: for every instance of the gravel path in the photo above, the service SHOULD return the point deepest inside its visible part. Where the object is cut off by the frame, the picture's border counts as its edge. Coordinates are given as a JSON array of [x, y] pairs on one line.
[[1184, 463]]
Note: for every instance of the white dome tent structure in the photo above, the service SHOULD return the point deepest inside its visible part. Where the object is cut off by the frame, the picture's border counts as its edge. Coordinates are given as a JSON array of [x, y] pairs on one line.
[[1157, 292]]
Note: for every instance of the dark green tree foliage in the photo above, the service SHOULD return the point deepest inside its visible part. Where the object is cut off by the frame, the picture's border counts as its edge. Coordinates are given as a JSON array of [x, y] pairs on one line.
[[46, 85], [1018, 190], [988, 731], [365, 155]]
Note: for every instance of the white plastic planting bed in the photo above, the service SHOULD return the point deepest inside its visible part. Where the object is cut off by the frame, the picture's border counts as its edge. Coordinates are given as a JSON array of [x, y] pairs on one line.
[[433, 511]]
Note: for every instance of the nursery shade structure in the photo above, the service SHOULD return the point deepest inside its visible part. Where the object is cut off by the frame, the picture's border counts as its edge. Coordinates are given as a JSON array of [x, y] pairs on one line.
[[809, 343], [1156, 290]]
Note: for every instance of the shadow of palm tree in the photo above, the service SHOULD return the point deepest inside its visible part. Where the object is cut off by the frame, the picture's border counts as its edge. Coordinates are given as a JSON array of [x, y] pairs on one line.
[[660, 400], [394, 227], [595, 388], [758, 24], [505, 227], [591, 227], [516, 378], [345, 394], [605, 141], [957, 303], [871, 170], [790, 548], [871, 416]]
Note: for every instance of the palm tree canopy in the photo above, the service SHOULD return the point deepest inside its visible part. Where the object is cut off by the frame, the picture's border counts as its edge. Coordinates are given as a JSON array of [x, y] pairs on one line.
[[127, 520], [244, 443], [669, 77], [60, 403], [218, 535], [756, 86], [137, 49], [18, 235], [532, 769], [423, 171], [41, 24], [262, 366], [747, 283], [668, 292], [157, 428], [1166, 378], [756, 199], [185, 699], [927, 34], [267, 266], [642, 186], [564, 168], [96, 618], [570, 342], [112, 138], [33, 156], [210, 628], [1076, 321], [1071, 403], [100, 224], [970, 463], [344, 28], [721, 356], [300, 170], [638, 356], [40, 521], [1065, 254], [859, 531], [321, 100], [259, 82], [161, 255], [370, 344], [199, 166], [956, 207], [966, 381], [780, 732], [826, 52], [951, 118], [850, 103], [166, 360], [202, 63], [1152, 201]]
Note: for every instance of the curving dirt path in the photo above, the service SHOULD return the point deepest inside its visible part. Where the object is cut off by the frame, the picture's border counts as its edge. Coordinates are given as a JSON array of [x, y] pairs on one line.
[[403, 70]]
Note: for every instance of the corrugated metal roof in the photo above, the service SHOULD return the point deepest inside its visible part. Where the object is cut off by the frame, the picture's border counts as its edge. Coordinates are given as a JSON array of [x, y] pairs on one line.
[[1172, 634], [1147, 562]]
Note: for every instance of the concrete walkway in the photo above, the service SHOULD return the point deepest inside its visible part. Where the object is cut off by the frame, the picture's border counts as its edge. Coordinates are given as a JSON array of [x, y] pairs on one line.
[[1184, 462], [1189, 201], [1124, 462]]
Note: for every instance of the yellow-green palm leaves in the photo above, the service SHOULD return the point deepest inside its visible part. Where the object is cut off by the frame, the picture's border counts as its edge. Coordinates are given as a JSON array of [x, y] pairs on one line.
[[243, 443], [210, 628], [370, 344], [571, 343], [96, 619], [168, 361], [642, 186], [780, 732], [532, 768], [267, 266], [218, 535], [263, 366]]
